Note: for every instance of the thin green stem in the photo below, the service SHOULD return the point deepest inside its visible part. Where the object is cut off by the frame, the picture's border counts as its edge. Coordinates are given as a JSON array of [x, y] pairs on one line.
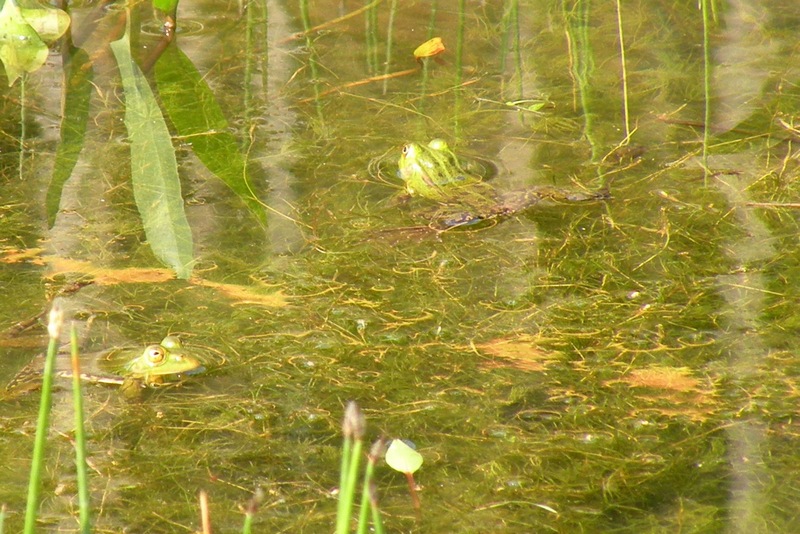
[[43, 423], [706, 84], [353, 428], [342, 513], [263, 4], [457, 94], [249, 59], [22, 117], [347, 494], [251, 509], [371, 22], [624, 69], [582, 63], [247, 528], [426, 61], [367, 486], [517, 48], [312, 56], [80, 438], [389, 38], [377, 522]]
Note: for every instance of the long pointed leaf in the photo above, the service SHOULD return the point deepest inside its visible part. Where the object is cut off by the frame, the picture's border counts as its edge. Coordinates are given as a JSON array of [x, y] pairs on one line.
[[154, 170], [196, 115], [77, 94]]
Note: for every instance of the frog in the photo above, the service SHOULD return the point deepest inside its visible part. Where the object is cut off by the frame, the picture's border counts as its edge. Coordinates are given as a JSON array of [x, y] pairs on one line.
[[435, 172], [158, 362], [130, 368]]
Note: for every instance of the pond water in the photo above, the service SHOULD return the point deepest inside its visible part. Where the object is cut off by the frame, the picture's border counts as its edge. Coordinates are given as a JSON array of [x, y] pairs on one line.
[[627, 365]]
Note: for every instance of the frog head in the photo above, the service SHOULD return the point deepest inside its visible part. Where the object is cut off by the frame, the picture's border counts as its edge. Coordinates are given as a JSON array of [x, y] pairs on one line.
[[158, 361], [430, 170]]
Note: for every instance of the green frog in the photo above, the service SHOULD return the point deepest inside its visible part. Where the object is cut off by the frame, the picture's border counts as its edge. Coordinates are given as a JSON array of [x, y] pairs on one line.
[[433, 171], [159, 363], [128, 367]]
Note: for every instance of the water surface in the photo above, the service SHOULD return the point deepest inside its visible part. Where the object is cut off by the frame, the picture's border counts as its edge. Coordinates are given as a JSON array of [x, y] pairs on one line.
[[627, 365]]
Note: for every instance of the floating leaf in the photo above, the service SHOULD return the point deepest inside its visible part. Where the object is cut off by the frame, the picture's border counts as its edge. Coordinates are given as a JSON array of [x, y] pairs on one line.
[[49, 23], [430, 48], [106, 276], [21, 49], [401, 457], [57, 265], [154, 170], [244, 294], [522, 352], [663, 378], [29, 255]]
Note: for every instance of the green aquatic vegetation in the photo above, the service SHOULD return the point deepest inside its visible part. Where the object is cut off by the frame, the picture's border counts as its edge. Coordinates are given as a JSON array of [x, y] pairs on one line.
[[154, 175], [43, 422], [24, 37], [352, 449], [570, 367], [154, 170], [80, 437], [196, 115], [402, 457], [353, 428]]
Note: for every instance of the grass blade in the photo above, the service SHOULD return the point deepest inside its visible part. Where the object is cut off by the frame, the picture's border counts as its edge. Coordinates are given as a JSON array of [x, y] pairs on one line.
[[80, 438], [43, 423]]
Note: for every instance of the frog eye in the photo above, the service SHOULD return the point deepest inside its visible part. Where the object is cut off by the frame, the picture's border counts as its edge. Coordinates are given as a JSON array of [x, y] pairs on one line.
[[171, 343], [406, 148], [155, 354]]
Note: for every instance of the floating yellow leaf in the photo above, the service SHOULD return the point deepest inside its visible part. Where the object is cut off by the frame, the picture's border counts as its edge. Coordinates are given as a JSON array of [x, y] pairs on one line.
[[105, 276], [521, 351], [244, 294], [430, 48], [663, 378], [12, 255], [138, 275], [670, 391]]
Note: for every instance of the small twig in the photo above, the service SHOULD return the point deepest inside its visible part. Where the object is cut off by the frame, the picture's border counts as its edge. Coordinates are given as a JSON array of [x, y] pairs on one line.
[[774, 205], [324, 25], [364, 81], [205, 514]]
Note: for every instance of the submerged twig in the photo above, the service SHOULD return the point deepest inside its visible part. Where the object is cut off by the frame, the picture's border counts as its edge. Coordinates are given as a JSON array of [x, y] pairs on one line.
[[205, 513], [364, 81], [337, 20], [773, 205]]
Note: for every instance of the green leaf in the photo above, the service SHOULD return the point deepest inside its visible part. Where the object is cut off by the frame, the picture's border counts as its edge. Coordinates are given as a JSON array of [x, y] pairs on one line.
[[154, 170], [401, 457], [49, 23], [167, 6], [77, 95], [197, 117], [21, 49]]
